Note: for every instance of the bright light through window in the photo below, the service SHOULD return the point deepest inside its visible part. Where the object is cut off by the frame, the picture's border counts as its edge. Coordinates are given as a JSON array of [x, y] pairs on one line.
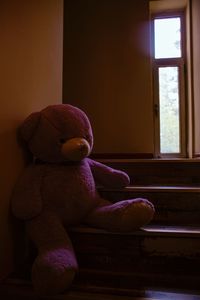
[[169, 86], [167, 37], [169, 110]]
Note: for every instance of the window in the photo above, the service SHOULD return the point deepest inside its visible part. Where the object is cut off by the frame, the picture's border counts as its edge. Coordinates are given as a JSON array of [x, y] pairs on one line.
[[169, 90]]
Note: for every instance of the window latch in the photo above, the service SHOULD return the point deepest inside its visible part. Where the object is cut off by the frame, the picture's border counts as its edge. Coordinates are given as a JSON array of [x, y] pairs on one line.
[[156, 109]]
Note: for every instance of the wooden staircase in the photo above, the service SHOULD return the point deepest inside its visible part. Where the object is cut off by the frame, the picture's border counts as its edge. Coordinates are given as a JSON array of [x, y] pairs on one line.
[[173, 186], [164, 254], [160, 261], [162, 257]]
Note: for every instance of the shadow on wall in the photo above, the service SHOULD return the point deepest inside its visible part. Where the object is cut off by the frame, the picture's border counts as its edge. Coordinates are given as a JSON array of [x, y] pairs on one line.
[[12, 159]]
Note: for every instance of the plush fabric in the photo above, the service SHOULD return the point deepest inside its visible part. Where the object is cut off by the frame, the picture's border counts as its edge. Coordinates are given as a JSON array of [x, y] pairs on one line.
[[58, 190]]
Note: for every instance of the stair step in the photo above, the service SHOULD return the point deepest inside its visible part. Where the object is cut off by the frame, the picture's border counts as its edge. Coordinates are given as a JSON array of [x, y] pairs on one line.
[[125, 284], [154, 256], [174, 205], [13, 289], [148, 230], [159, 171], [163, 188], [151, 241], [146, 294]]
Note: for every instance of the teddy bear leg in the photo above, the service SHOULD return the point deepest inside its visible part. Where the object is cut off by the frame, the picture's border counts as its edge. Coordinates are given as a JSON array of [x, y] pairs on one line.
[[55, 266], [122, 216]]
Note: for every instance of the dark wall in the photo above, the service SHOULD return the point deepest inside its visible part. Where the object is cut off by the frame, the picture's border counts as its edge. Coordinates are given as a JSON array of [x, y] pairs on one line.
[[107, 71]]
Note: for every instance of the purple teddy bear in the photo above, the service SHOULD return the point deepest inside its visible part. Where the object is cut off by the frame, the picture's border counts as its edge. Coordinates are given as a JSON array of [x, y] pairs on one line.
[[60, 192]]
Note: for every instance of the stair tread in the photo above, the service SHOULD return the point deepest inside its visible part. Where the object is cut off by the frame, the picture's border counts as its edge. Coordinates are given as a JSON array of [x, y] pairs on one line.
[[155, 188], [150, 294], [195, 161], [150, 230]]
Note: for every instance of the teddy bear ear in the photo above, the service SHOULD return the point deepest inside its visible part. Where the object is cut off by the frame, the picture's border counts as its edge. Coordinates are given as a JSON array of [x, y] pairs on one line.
[[29, 126]]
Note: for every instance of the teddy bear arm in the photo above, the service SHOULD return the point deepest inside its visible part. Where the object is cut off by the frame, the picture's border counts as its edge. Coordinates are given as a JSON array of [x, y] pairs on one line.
[[26, 201], [108, 176]]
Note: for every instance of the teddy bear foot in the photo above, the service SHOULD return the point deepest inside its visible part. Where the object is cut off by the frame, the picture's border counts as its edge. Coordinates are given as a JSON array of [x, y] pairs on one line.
[[122, 216], [53, 272]]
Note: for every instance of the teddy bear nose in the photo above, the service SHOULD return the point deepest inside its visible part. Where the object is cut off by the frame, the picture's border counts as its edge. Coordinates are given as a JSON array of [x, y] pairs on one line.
[[75, 149]]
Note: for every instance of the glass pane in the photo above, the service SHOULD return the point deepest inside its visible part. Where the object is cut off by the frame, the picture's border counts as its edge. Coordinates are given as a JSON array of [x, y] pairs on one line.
[[169, 110], [167, 37]]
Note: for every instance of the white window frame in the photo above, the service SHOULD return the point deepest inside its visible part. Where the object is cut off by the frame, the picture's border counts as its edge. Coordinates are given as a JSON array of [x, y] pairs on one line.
[[170, 62]]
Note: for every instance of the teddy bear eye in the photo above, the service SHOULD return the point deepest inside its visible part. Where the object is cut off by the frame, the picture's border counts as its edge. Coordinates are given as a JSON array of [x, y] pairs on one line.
[[62, 141]]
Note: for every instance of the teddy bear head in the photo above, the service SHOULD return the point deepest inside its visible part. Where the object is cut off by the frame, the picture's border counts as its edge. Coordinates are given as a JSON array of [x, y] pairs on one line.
[[58, 133]]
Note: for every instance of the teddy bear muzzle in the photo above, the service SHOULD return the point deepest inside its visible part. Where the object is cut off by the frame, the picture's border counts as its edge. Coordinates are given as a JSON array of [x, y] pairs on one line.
[[75, 149]]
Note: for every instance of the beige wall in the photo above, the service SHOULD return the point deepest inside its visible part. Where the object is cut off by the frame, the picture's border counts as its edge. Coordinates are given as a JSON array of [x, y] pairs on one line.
[[30, 78], [107, 71], [196, 71]]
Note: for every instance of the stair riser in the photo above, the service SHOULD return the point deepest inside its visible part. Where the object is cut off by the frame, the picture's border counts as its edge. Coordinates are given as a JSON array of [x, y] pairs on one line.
[[126, 248], [160, 172], [171, 207], [138, 261], [125, 284]]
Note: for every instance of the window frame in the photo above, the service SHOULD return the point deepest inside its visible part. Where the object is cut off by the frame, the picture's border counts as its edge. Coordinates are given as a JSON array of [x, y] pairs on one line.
[[179, 62]]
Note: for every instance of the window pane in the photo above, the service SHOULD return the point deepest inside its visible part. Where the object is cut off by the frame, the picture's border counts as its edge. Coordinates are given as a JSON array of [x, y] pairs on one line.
[[167, 38], [169, 110]]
